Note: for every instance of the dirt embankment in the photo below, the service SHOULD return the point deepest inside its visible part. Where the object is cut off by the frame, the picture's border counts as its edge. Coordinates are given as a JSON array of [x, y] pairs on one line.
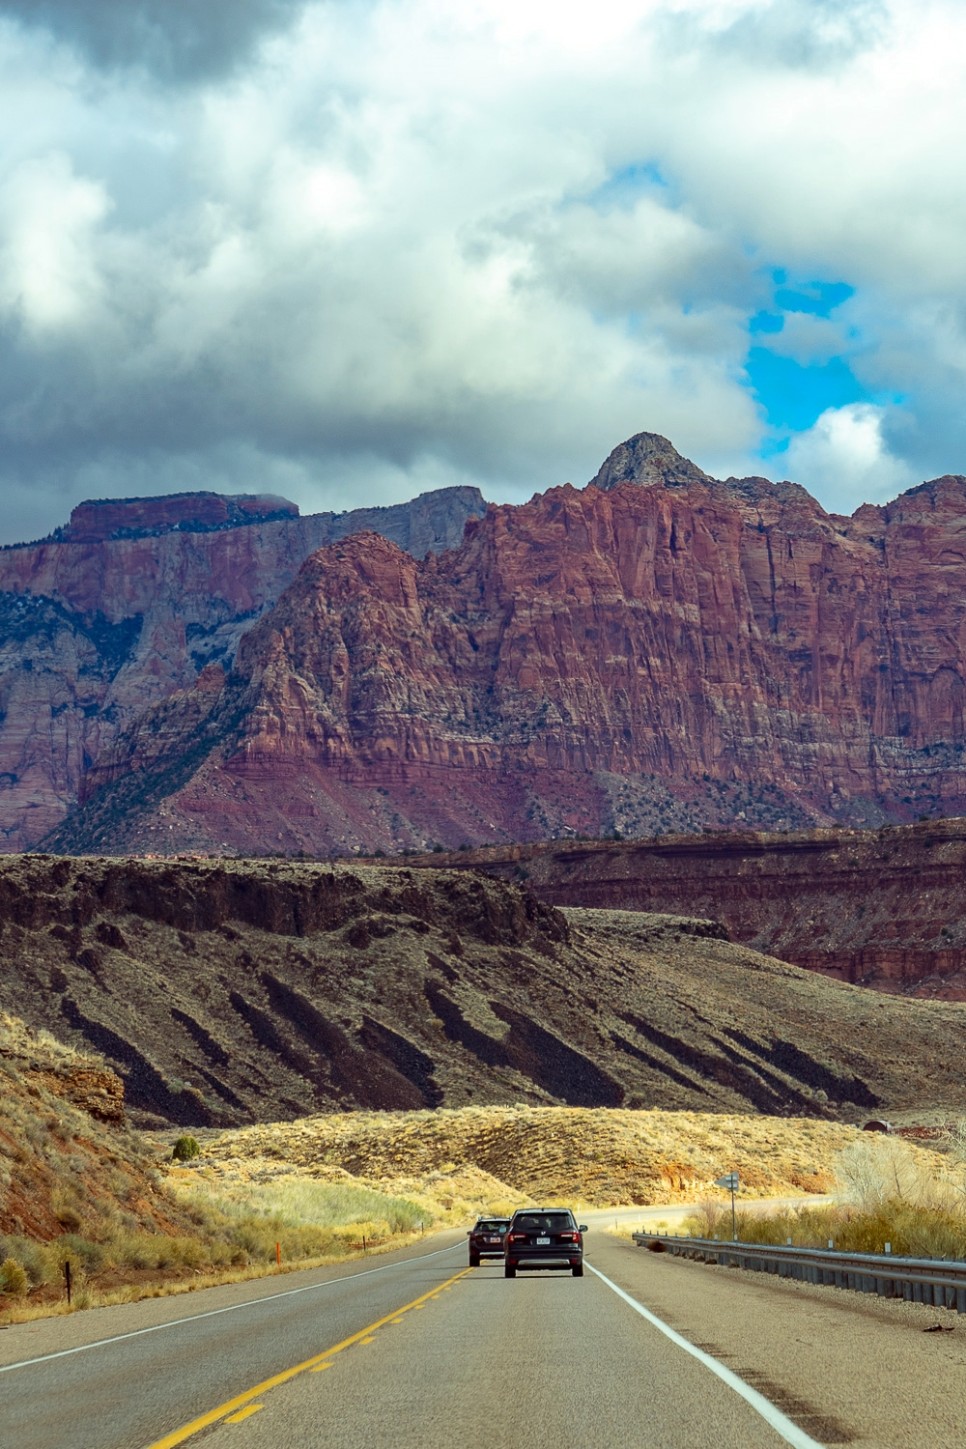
[[67, 1157]]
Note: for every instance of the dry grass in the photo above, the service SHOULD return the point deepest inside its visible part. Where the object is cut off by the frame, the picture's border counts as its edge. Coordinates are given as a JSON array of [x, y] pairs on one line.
[[887, 1190], [109, 1202], [322, 1187], [482, 1158]]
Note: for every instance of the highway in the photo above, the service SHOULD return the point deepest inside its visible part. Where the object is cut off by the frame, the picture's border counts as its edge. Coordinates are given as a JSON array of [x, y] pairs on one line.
[[415, 1349]]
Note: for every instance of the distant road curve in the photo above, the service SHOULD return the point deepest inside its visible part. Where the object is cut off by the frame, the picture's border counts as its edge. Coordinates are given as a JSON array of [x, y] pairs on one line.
[[417, 1350]]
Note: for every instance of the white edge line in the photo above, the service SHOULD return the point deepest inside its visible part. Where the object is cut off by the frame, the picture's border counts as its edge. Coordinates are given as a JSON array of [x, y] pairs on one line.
[[214, 1312], [782, 1425]]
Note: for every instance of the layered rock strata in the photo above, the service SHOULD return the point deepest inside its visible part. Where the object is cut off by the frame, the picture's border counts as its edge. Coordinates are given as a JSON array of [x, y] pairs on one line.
[[233, 991], [878, 908], [133, 600], [658, 651]]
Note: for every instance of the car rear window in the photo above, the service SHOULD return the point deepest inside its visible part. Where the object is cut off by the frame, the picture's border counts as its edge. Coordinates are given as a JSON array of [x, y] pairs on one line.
[[555, 1222], [491, 1225]]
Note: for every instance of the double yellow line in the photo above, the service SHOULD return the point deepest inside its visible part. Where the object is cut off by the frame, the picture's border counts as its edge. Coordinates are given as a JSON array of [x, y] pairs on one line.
[[242, 1405]]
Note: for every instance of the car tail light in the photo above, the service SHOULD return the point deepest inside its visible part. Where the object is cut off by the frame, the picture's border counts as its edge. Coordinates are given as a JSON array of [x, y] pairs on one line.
[[516, 1237], [570, 1237]]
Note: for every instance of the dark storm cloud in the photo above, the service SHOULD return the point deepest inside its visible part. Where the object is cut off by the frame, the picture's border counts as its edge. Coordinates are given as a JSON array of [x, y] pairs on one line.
[[175, 40]]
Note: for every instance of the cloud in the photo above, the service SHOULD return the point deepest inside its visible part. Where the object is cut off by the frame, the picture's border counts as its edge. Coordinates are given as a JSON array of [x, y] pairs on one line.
[[173, 40], [845, 456], [49, 281], [361, 246]]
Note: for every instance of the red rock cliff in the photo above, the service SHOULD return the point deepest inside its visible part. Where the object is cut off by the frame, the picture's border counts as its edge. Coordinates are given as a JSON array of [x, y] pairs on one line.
[[647, 654], [132, 601]]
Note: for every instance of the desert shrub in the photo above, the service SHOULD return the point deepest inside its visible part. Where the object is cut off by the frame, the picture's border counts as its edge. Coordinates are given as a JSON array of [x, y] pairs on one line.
[[888, 1195], [880, 1170], [806, 1226], [185, 1149], [708, 1219], [912, 1231], [36, 1259], [13, 1278], [188, 1252], [66, 1211], [133, 1250], [81, 1252]]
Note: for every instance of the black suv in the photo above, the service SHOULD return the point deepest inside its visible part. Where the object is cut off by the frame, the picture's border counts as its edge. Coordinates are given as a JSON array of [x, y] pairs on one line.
[[544, 1238], [486, 1239]]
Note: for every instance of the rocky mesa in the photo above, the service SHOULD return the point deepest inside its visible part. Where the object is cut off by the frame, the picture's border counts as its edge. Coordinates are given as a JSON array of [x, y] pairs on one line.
[[134, 599], [878, 908], [659, 651]]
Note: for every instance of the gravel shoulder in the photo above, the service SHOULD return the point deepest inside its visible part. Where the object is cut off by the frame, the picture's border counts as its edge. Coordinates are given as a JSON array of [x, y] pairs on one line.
[[849, 1368]]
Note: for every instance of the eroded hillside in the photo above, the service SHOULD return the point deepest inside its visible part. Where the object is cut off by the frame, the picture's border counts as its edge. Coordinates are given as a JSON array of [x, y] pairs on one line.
[[880, 908], [226, 992], [68, 1161]]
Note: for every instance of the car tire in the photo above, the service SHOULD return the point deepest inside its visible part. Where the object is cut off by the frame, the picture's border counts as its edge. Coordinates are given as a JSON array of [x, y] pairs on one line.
[[474, 1260], [509, 1271], [578, 1270]]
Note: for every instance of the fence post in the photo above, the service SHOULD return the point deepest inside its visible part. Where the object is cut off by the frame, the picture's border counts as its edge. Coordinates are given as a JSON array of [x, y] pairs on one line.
[[67, 1278]]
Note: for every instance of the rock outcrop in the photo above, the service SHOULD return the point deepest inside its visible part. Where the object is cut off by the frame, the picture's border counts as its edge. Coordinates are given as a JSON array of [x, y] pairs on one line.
[[101, 519], [658, 653], [235, 991], [878, 908], [134, 599]]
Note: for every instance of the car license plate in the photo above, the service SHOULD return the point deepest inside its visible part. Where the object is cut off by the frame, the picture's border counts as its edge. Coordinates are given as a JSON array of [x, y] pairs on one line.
[[543, 1242], [492, 1240]]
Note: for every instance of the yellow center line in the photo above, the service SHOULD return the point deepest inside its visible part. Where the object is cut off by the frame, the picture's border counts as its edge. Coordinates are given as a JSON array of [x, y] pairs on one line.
[[243, 1414], [204, 1421]]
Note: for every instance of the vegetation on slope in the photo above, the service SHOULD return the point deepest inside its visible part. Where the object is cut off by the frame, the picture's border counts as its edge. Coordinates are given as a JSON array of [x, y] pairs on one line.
[[888, 1192], [81, 1189]]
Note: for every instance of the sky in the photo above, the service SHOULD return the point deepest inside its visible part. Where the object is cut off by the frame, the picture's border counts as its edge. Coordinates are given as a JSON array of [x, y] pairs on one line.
[[348, 250]]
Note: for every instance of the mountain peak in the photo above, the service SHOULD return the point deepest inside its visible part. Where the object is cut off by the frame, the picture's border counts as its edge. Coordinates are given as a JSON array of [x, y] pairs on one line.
[[647, 459]]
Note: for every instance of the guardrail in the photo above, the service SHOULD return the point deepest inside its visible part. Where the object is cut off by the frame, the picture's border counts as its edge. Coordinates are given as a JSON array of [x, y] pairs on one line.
[[937, 1282]]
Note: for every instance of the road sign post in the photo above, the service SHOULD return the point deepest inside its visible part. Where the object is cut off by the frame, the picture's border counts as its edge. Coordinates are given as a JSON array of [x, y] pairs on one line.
[[732, 1182]]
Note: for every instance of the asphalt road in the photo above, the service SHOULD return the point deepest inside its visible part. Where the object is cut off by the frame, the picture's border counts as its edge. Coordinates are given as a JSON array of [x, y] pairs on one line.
[[418, 1350]]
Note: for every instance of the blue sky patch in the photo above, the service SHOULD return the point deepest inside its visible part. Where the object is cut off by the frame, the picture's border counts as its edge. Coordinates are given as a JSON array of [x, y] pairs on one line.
[[765, 322], [623, 186], [817, 298], [794, 394]]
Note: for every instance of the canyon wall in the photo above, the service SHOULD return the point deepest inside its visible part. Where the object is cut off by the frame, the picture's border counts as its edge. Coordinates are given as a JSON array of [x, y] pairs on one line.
[[134, 599], [659, 651]]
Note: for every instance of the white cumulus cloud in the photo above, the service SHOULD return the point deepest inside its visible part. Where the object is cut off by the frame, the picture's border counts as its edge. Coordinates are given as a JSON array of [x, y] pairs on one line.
[[844, 456]]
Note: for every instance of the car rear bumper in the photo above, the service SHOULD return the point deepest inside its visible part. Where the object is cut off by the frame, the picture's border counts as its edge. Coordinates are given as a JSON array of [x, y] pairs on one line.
[[535, 1258]]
